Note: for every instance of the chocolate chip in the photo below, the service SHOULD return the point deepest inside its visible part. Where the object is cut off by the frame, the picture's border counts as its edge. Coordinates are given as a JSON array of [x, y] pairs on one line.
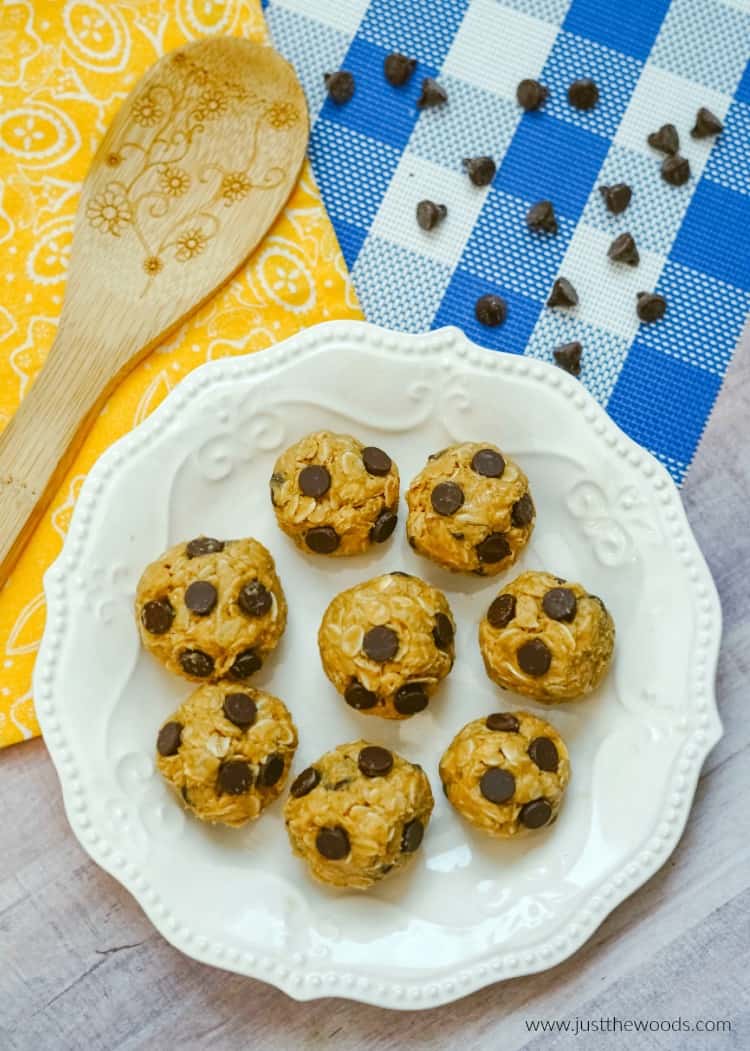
[[398, 68], [481, 170], [157, 616], [443, 631], [235, 777], [374, 761], [277, 478], [400, 573], [560, 604], [383, 526], [675, 170], [333, 843], [541, 216], [240, 709], [314, 481], [502, 611], [563, 294], [490, 310], [494, 548], [376, 461], [356, 696], [650, 306], [568, 357], [665, 139], [616, 197], [340, 86], [544, 754], [412, 836], [623, 250], [203, 545], [197, 663], [254, 599], [323, 540], [523, 512], [497, 785], [583, 94], [245, 664], [168, 741], [531, 94], [411, 698], [706, 123], [271, 770], [534, 657], [488, 462], [432, 94], [536, 813], [502, 722], [304, 782], [430, 214], [200, 597], [446, 498], [380, 644]]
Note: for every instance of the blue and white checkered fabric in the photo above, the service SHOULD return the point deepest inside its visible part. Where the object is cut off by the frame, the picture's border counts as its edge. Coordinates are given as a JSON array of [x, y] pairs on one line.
[[654, 62]]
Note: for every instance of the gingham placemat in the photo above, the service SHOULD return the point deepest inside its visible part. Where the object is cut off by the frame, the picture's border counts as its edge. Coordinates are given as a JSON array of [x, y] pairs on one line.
[[654, 62]]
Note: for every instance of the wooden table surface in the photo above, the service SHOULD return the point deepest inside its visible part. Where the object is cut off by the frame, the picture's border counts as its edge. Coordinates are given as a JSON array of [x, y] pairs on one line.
[[81, 966]]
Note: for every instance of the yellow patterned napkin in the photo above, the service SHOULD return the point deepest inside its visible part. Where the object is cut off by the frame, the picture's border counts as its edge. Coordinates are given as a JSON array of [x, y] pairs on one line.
[[65, 67]]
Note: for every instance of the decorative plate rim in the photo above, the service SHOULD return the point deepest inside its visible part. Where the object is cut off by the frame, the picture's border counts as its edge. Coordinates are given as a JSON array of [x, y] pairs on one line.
[[292, 976]]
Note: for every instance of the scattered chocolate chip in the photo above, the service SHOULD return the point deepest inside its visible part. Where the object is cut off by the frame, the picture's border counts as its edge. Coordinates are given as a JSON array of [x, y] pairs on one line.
[[502, 611], [235, 777], [398, 68], [240, 709], [374, 761], [534, 657], [340, 86], [706, 123], [200, 597], [497, 785], [541, 216], [168, 741], [650, 306], [245, 664], [271, 770], [523, 512], [531, 94], [494, 548], [502, 722], [197, 663], [616, 197], [583, 94], [157, 616], [490, 310], [411, 698], [443, 631], [536, 813], [432, 94], [412, 836], [203, 545], [563, 294], [380, 644], [383, 526], [568, 357], [560, 604], [430, 214], [623, 250], [277, 478], [304, 782], [446, 498], [340, 784], [254, 599], [665, 139], [314, 481], [544, 753], [323, 540], [675, 170], [481, 170], [376, 461], [333, 843], [488, 463]]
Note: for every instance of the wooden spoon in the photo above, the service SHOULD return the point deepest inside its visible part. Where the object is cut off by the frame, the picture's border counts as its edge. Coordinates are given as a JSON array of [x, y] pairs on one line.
[[193, 171]]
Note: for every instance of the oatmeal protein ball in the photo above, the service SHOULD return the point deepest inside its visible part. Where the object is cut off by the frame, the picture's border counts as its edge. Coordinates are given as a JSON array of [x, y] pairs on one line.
[[335, 496], [506, 773], [386, 644], [470, 509], [547, 638], [227, 751], [211, 609], [357, 814]]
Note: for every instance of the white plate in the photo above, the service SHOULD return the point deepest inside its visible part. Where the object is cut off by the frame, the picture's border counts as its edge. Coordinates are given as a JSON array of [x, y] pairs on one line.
[[469, 910]]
